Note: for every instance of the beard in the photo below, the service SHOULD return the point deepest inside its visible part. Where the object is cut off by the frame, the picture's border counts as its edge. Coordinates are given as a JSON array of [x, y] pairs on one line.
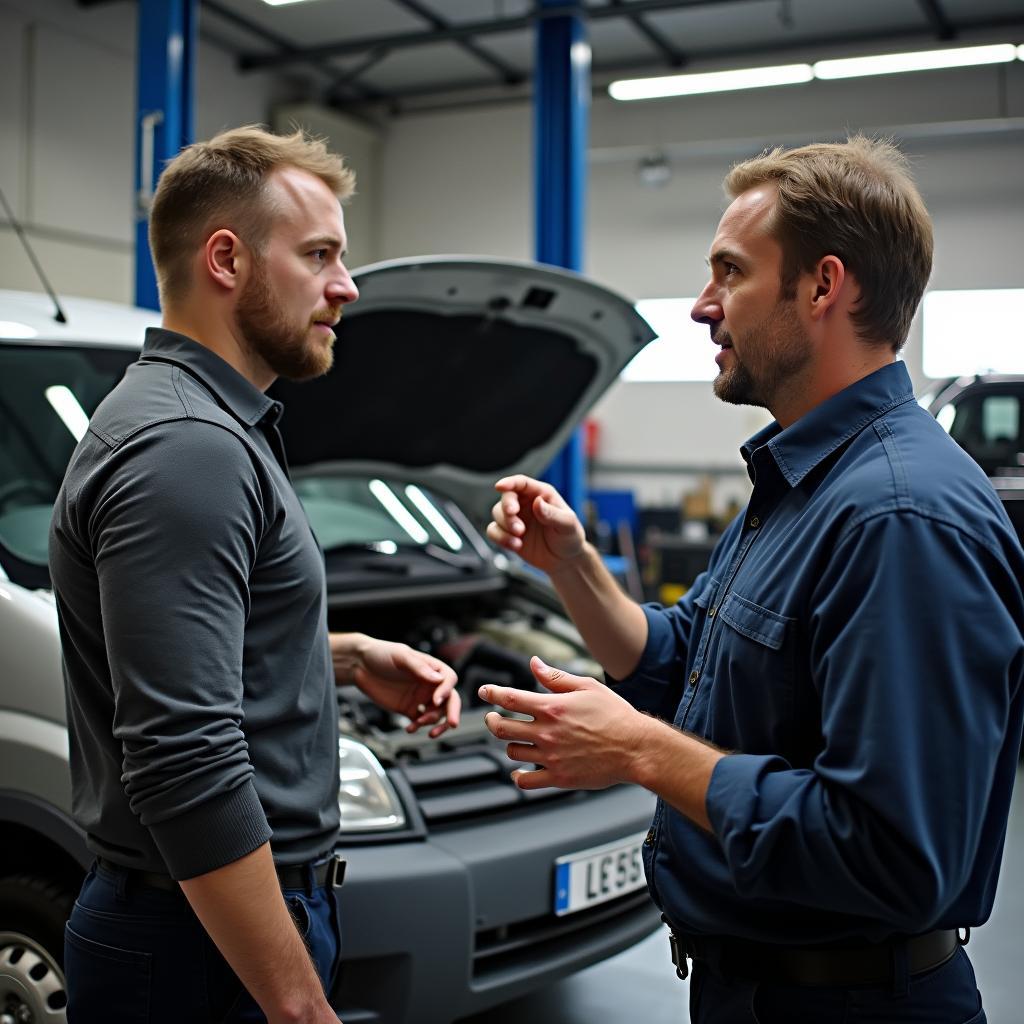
[[777, 350], [282, 343]]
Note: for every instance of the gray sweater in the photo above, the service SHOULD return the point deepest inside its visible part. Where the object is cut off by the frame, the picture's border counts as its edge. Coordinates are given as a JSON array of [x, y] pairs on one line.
[[191, 598]]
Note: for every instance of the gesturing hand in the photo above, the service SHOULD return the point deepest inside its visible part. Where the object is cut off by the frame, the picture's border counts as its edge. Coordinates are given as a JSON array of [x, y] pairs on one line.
[[582, 734], [400, 679], [532, 519]]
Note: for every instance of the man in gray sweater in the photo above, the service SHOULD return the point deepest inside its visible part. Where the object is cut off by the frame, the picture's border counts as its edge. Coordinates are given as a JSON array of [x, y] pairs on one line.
[[191, 596]]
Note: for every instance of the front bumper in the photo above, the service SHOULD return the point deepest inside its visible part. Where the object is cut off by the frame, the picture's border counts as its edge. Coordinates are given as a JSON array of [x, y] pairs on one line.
[[445, 927]]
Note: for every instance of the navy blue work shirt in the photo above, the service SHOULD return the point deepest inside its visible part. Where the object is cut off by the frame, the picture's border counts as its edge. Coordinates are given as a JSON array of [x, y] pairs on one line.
[[856, 643]]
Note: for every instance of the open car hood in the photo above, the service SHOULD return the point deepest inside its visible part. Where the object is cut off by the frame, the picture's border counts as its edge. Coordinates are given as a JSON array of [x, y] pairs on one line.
[[452, 371]]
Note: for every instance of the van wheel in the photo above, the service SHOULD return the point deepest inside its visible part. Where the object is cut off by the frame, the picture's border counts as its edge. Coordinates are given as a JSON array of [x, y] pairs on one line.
[[32, 915]]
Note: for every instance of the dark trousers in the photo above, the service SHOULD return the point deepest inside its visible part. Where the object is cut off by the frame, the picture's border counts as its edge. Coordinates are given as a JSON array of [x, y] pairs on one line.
[[135, 954], [948, 994]]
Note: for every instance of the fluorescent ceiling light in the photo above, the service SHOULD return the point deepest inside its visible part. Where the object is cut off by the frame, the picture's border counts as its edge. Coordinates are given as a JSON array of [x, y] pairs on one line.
[[398, 511], [67, 407], [281, 3], [924, 60], [713, 81], [791, 74]]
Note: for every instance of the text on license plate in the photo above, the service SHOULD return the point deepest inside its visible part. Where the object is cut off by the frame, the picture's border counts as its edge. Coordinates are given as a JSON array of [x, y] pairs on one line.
[[601, 873]]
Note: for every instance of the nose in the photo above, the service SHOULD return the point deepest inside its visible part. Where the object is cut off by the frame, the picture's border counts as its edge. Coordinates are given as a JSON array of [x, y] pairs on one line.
[[707, 309], [341, 288]]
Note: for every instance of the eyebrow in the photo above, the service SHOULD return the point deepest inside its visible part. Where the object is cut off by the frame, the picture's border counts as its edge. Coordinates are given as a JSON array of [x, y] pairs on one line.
[[723, 256], [322, 242]]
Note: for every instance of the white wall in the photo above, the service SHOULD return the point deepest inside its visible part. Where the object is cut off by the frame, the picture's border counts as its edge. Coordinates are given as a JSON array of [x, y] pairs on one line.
[[67, 108]]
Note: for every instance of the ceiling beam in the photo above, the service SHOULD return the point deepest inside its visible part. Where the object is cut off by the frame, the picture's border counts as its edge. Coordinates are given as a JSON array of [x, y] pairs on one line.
[[470, 30], [448, 92], [509, 74], [285, 46], [675, 57], [942, 26]]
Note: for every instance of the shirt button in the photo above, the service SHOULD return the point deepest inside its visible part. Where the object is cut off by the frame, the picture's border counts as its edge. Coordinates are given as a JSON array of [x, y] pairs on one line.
[[711, 613], [755, 522], [693, 677], [650, 837]]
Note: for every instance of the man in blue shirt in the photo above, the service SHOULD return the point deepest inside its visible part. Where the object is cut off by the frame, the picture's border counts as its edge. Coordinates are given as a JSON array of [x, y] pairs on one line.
[[844, 682]]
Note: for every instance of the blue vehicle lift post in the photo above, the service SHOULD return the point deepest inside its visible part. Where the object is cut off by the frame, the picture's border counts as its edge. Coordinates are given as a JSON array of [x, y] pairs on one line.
[[164, 122], [561, 105]]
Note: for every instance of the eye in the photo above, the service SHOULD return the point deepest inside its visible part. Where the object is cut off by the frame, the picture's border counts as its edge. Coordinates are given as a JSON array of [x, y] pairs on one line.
[[730, 269], [319, 255]]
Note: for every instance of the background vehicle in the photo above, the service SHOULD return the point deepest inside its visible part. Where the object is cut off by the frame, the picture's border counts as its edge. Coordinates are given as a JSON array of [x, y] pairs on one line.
[[462, 891], [985, 416]]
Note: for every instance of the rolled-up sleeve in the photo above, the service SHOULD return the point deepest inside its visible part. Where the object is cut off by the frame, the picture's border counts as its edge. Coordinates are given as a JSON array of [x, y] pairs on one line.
[[916, 651], [176, 533]]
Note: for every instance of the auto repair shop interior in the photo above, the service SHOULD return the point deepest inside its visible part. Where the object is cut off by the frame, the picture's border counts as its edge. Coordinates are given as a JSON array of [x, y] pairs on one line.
[[475, 129]]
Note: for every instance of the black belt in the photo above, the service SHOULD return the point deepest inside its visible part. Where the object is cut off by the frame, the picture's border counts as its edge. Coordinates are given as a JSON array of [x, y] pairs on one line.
[[329, 873], [815, 967]]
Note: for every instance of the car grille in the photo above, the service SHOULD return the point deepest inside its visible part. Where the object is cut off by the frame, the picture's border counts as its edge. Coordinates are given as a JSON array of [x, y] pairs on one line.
[[516, 945], [468, 785]]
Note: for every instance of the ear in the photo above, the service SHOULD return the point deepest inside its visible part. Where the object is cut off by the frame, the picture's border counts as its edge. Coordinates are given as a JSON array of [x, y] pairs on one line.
[[829, 277], [226, 259]]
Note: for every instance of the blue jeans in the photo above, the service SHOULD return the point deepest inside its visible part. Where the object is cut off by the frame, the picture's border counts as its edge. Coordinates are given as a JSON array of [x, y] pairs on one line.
[[947, 994], [135, 954]]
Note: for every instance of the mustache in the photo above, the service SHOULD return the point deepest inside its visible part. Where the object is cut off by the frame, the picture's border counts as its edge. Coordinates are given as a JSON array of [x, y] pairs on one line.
[[721, 336], [329, 314]]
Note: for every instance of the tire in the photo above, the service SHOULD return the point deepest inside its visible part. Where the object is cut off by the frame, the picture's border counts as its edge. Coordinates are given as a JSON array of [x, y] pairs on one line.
[[32, 915]]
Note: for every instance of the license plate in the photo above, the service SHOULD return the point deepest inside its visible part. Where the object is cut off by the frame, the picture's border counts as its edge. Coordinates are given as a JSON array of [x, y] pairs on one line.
[[601, 873]]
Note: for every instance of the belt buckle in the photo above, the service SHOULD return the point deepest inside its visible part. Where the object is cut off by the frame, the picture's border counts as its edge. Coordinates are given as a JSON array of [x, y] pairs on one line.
[[336, 873], [678, 954]]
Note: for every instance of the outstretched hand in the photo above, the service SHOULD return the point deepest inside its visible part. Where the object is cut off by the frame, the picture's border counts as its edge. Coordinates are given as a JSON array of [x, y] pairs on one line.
[[582, 735], [400, 679], [532, 519]]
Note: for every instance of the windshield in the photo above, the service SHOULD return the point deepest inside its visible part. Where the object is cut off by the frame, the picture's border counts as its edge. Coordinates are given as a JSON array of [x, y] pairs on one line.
[[47, 395], [369, 512], [46, 398]]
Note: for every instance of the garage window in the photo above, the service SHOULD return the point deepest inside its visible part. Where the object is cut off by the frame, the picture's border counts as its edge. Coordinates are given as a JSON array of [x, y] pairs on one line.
[[683, 349], [973, 331]]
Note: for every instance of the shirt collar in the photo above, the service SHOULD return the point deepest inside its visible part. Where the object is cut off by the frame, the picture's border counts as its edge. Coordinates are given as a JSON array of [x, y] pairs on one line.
[[239, 396], [805, 443]]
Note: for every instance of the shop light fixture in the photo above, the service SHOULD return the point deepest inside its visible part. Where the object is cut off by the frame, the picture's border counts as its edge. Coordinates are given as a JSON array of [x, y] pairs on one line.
[[924, 60], [282, 3], [712, 81], [792, 74]]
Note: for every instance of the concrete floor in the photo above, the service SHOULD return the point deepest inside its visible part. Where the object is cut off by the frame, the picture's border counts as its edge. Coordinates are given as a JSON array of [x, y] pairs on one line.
[[640, 984]]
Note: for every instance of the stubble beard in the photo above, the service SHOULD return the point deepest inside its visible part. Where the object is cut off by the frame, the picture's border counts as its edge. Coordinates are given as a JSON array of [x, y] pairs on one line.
[[285, 346], [778, 349]]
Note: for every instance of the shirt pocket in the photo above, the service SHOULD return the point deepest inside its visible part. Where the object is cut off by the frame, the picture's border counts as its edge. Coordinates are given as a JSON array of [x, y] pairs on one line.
[[752, 703]]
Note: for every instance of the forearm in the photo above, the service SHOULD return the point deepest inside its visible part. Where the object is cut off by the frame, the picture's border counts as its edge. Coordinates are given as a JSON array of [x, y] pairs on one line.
[[612, 625], [347, 653], [676, 767], [241, 907]]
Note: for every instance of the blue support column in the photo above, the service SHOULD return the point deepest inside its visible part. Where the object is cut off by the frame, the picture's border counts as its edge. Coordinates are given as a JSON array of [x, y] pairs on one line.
[[561, 108], [164, 122]]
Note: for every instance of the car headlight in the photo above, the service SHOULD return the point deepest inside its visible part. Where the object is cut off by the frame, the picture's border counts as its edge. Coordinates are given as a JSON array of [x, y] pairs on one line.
[[367, 800]]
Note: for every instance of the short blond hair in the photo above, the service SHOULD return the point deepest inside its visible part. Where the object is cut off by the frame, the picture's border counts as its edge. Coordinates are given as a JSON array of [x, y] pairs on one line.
[[222, 183], [855, 200]]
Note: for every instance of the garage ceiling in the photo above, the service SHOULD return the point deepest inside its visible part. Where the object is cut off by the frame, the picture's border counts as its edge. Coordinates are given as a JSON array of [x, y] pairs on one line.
[[403, 54]]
